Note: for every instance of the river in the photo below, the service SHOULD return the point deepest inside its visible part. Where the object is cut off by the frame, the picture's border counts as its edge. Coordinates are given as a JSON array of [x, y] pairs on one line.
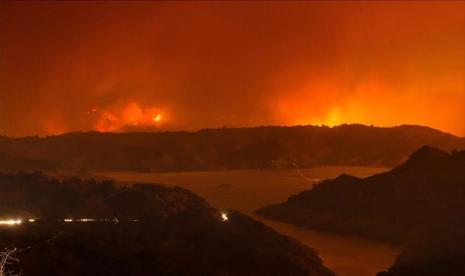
[[248, 190]]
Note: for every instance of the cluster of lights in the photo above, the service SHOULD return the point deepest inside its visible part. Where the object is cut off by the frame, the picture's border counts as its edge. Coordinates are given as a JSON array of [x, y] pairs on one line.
[[79, 220], [17, 221], [114, 220], [224, 217]]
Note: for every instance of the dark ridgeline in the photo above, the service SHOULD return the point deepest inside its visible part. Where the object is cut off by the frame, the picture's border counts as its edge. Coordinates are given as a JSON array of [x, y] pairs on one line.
[[178, 233], [227, 148], [419, 204]]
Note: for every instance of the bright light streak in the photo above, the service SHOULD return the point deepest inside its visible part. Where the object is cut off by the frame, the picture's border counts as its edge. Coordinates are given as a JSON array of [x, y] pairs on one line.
[[11, 222], [68, 220], [86, 220], [31, 220], [224, 216]]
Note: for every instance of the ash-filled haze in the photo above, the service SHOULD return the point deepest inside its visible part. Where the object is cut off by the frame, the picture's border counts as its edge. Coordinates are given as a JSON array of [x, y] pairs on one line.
[[116, 66]]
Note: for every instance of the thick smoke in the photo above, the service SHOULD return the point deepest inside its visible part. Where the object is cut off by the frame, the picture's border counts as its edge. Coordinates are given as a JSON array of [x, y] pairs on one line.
[[82, 66]]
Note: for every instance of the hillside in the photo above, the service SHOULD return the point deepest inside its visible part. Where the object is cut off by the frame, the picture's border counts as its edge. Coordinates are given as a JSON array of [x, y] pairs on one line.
[[420, 204], [160, 231], [216, 149]]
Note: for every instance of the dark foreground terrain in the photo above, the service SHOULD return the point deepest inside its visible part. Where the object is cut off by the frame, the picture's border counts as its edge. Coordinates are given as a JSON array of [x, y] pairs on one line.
[[161, 231], [226, 148], [419, 204]]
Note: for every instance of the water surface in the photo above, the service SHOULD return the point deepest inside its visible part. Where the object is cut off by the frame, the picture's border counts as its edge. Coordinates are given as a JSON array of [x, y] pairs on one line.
[[248, 190]]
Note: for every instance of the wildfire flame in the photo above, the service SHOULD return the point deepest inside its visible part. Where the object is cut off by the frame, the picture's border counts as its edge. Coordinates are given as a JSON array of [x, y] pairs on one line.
[[157, 118], [130, 115]]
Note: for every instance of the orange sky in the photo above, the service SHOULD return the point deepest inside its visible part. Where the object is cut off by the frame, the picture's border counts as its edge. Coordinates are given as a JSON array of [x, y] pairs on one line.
[[67, 66]]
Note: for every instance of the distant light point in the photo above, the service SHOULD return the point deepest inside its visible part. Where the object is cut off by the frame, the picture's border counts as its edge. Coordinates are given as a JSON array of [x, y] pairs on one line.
[[224, 216]]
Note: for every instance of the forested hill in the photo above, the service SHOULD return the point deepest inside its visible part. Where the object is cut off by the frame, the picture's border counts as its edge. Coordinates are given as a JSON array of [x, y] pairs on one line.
[[142, 229], [225, 148], [420, 204]]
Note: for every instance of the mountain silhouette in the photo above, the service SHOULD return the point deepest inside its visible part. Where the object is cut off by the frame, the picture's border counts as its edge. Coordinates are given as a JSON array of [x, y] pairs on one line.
[[226, 148], [419, 204]]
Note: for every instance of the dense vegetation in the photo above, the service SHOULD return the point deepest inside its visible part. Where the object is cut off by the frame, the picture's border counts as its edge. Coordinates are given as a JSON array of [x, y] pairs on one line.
[[176, 232], [215, 149], [420, 204]]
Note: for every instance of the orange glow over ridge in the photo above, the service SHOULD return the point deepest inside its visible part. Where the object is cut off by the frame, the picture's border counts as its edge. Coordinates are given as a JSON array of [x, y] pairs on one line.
[[130, 115], [129, 66]]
